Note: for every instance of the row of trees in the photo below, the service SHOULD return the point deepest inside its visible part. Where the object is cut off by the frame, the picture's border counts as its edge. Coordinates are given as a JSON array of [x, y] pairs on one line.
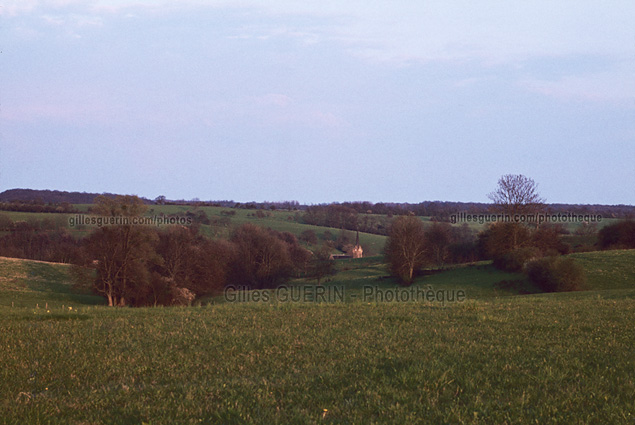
[[441, 210], [38, 207], [345, 217], [140, 265], [136, 265], [411, 246], [620, 235], [511, 245], [47, 239]]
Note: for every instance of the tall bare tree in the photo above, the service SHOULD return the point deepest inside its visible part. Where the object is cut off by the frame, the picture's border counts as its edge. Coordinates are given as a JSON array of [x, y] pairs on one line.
[[516, 194], [439, 237], [405, 248], [122, 251]]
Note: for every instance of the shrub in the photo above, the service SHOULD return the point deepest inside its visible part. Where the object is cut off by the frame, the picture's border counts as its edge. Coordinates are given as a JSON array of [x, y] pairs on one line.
[[309, 237], [514, 261], [181, 296], [556, 274], [547, 239], [501, 238], [321, 263], [620, 235]]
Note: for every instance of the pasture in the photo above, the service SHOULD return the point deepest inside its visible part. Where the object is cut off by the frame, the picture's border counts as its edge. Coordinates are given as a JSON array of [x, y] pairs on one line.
[[497, 357]]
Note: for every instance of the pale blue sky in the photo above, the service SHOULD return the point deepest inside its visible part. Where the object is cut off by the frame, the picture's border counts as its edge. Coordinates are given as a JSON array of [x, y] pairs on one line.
[[319, 101]]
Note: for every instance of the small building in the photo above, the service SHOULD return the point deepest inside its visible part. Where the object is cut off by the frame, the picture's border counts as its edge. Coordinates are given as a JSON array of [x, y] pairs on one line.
[[357, 251]]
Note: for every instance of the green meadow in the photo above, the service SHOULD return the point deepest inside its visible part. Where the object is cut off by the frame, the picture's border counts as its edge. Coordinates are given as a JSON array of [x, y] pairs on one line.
[[505, 355]]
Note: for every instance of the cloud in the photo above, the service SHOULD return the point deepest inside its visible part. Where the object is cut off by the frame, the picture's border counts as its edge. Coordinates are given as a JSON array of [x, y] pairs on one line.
[[403, 31], [491, 31], [618, 86]]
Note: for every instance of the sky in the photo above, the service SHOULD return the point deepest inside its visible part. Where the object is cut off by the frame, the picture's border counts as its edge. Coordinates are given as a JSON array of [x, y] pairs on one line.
[[319, 101]]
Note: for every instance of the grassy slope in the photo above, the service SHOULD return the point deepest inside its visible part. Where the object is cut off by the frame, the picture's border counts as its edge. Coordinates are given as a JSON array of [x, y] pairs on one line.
[[604, 270], [480, 280], [27, 283], [546, 358], [608, 269]]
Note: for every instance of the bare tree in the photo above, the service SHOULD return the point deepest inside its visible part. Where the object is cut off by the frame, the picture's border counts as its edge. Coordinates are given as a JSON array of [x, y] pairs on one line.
[[405, 249], [516, 194], [439, 237], [262, 260], [122, 252], [309, 237], [322, 264]]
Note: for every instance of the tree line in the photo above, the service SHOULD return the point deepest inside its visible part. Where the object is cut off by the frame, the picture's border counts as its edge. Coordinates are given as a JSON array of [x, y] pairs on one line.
[[33, 196], [137, 265], [439, 210], [141, 265], [516, 247], [38, 207]]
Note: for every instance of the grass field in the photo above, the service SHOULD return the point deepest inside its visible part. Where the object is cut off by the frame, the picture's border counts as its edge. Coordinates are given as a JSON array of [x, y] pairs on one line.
[[608, 269], [558, 359], [36, 284], [495, 358]]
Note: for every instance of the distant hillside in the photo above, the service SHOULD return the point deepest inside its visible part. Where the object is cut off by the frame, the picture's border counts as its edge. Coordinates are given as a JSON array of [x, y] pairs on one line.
[[441, 210], [52, 196]]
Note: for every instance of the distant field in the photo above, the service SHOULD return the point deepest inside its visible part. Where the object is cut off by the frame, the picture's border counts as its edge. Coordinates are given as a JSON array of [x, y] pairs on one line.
[[608, 269], [283, 221], [495, 358]]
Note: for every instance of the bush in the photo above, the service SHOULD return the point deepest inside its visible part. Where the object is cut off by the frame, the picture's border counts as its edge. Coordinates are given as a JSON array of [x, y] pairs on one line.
[[309, 237], [501, 238], [556, 274], [620, 235], [181, 296], [547, 239], [514, 261]]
